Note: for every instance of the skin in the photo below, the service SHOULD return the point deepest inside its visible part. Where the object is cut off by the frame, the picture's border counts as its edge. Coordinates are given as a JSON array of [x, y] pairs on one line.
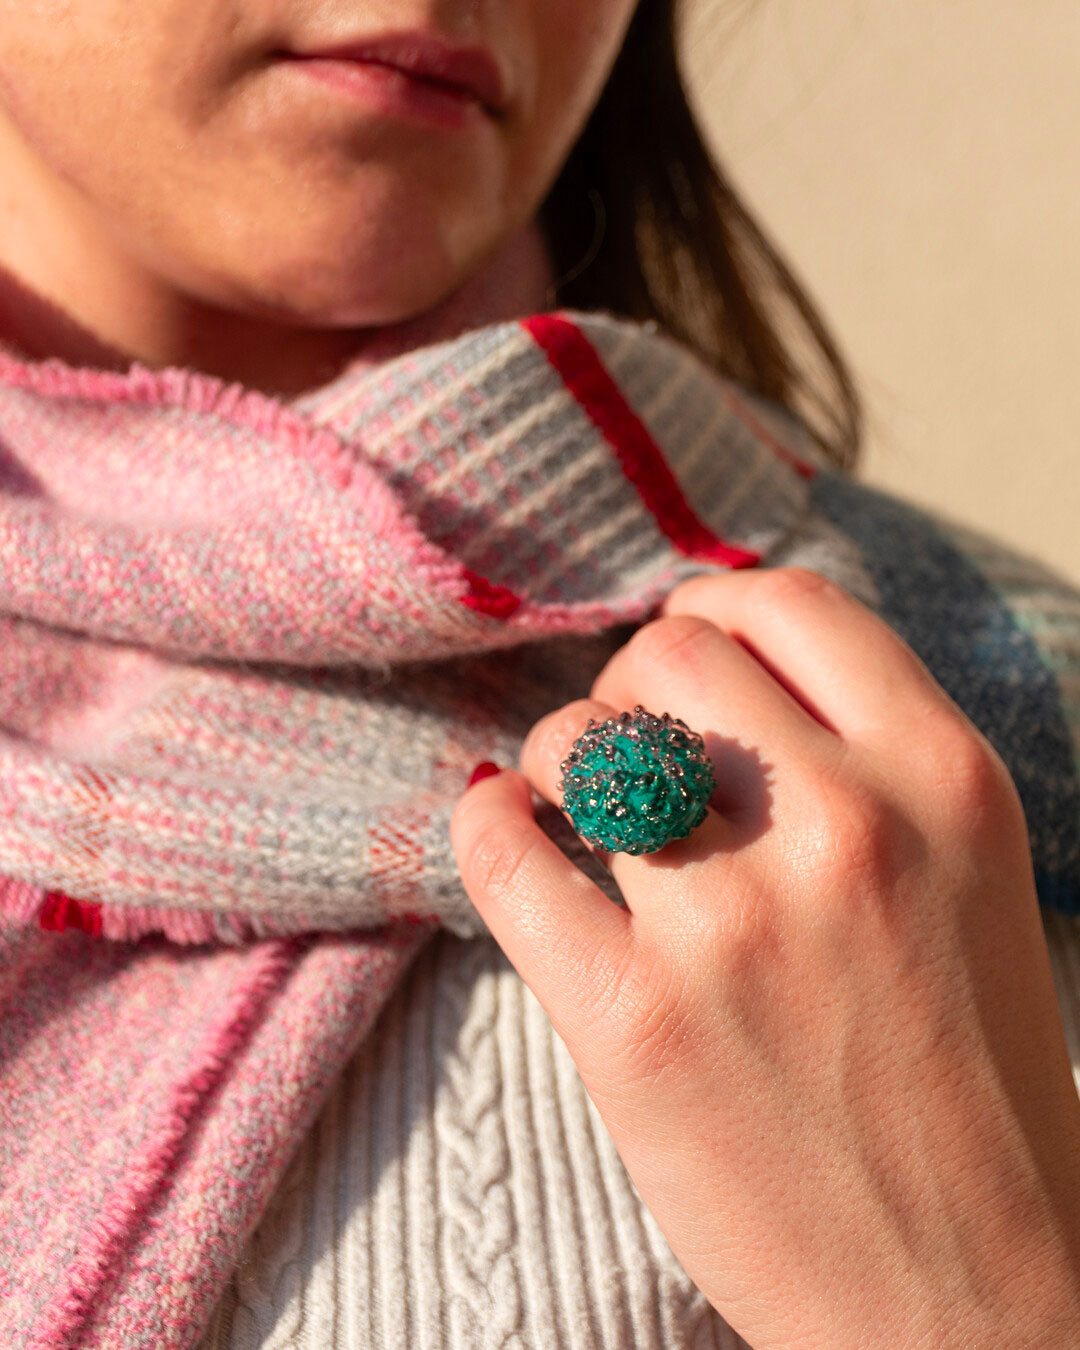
[[823, 1034], [172, 193]]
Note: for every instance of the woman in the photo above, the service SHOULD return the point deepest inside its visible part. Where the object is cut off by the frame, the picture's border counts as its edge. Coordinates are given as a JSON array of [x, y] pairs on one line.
[[829, 1101]]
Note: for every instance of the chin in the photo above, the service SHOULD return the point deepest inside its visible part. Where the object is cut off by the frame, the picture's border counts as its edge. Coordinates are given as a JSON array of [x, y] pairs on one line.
[[373, 275], [355, 303]]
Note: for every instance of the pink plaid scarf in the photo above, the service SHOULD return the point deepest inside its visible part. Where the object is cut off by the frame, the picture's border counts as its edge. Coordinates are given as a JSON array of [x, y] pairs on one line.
[[249, 650]]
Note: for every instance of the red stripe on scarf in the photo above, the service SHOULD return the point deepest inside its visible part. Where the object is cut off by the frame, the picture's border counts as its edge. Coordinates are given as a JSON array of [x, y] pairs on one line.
[[641, 459], [488, 597], [59, 911]]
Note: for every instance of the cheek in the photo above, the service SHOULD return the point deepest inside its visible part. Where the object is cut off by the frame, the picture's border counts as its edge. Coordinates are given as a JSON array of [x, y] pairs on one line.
[[162, 118], [44, 68], [575, 46], [83, 82]]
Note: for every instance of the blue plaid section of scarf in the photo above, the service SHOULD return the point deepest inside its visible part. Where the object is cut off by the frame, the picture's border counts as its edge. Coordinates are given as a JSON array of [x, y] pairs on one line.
[[996, 661]]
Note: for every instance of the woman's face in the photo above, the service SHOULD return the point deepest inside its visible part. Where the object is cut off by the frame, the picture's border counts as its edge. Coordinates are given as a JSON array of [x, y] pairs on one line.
[[185, 137]]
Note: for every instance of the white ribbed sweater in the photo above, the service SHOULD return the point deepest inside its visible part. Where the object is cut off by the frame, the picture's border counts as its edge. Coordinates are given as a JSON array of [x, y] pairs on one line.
[[460, 1190]]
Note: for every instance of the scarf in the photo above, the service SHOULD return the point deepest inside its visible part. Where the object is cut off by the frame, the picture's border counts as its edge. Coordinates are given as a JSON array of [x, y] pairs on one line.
[[250, 649]]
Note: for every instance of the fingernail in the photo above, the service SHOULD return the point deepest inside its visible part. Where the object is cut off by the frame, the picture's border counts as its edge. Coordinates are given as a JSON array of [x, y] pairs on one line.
[[482, 770]]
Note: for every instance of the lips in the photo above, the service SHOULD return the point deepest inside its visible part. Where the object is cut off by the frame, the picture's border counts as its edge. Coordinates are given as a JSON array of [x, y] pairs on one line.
[[426, 56]]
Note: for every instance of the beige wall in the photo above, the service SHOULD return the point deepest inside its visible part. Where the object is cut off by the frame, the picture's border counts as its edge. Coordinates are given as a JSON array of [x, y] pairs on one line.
[[918, 162]]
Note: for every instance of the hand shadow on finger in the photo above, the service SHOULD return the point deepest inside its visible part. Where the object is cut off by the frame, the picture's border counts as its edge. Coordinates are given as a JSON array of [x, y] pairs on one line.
[[742, 796]]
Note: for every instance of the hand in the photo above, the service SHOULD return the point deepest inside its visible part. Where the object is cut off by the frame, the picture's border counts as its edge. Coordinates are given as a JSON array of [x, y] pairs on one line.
[[823, 1033]]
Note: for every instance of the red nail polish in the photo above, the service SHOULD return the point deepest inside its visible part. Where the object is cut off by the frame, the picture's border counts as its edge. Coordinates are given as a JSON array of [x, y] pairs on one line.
[[482, 770]]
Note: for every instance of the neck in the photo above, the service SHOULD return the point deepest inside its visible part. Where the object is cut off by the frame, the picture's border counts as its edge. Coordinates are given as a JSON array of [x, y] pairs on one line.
[[517, 279]]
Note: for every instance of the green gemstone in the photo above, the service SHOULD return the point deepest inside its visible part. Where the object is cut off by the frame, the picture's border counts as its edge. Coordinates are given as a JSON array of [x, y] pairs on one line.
[[636, 781]]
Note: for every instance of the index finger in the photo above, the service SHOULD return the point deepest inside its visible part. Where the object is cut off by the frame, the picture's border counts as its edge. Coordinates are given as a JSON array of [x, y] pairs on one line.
[[831, 652], [566, 939]]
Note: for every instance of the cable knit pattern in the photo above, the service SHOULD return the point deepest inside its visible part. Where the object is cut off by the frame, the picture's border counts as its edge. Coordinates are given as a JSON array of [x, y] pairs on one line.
[[460, 1190]]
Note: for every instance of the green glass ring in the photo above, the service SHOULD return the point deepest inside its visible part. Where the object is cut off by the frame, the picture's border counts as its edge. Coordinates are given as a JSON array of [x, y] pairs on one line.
[[635, 782]]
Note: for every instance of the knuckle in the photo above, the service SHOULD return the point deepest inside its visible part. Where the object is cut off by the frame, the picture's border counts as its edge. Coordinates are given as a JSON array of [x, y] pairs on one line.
[[571, 722], [671, 638], [862, 835], [690, 590], [782, 586], [558, 729], [866, 841], [971, 780], [741, 938], [498, 858]]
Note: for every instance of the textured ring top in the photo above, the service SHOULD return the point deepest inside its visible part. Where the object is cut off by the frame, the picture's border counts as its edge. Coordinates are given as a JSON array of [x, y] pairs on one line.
[[636, 781]]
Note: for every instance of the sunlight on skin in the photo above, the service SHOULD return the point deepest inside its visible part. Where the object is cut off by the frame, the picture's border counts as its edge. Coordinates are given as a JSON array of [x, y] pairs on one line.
[[258, 226]]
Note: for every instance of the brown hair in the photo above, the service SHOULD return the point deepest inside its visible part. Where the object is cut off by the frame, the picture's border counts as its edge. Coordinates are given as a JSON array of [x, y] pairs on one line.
[[678, 246]]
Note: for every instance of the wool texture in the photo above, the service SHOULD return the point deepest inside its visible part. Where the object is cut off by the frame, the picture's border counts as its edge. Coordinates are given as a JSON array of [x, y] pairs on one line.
[[250, 650]]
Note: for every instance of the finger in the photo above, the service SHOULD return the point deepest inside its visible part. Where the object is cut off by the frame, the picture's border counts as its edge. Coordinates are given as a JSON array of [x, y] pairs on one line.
[[565, 938], [835, 655], [550, 740], [688, 666], [547, 744]]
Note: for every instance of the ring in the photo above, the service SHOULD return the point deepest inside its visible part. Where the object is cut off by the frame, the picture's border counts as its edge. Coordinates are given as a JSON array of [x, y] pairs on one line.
[[635, 782]]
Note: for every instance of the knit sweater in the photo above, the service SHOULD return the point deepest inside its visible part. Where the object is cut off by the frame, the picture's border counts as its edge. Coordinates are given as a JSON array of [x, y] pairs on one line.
[[170, 1028]]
